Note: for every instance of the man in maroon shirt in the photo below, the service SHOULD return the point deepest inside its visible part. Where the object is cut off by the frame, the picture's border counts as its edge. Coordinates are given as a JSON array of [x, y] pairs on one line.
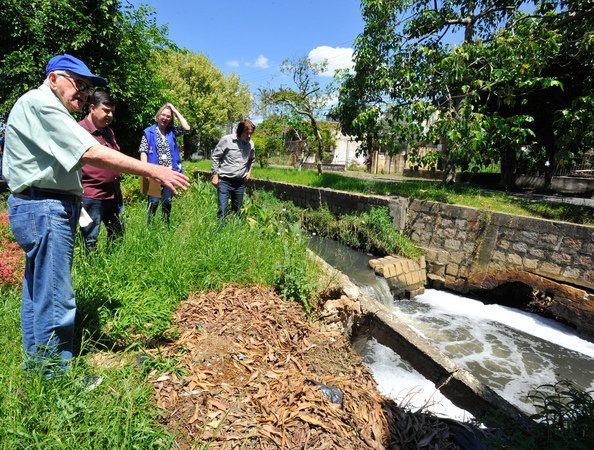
[[102, 197]]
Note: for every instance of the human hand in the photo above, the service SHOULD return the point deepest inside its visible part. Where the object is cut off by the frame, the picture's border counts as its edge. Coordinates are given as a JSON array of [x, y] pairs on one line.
[[169, 178], [215, 180]]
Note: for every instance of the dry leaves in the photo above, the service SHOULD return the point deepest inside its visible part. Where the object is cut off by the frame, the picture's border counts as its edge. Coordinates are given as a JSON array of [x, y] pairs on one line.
[[250, 358]]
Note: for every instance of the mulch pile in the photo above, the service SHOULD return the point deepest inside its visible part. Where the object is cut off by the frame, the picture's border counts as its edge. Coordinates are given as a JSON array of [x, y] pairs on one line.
[[259, 375]]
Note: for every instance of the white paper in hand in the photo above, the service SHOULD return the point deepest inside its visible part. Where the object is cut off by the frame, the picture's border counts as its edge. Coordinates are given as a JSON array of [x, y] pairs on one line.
[[84, 220]]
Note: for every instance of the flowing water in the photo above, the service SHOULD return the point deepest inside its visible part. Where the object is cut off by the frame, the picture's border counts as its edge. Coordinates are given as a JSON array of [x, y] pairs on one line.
[[511, 351]]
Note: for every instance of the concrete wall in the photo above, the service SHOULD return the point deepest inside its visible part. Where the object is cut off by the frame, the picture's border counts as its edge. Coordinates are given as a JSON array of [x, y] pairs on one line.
[[339, 202], [558, 183]]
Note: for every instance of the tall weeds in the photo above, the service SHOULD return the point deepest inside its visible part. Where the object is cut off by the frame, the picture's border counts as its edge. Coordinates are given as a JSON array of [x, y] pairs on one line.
[[126, 295], [129, 293], [371, 231]]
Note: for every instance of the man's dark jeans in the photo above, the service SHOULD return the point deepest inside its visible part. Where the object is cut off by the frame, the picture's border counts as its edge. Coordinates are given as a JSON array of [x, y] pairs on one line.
[[106, 211], [232, 188]]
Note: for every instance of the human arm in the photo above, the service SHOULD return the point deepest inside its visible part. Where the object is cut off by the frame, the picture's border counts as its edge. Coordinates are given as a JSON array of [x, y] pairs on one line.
[[103, 157], [217, 158], [183, 122], [250, 163]]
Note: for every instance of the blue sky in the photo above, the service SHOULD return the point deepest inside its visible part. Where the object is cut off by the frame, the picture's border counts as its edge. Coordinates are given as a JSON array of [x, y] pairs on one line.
[[252, 38]]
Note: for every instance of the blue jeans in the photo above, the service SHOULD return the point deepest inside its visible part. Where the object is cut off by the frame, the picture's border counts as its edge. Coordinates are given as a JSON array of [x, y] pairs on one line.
[[153, 204], [45, 230], [106, 211], [232, 188]]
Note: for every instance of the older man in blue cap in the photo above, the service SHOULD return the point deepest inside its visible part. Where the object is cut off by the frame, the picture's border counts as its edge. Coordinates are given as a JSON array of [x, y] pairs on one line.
[[44, 151]]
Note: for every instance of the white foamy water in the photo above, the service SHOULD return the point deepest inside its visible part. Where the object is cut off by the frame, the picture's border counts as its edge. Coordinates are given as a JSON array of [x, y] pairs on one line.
[[399, 381], [532, 324], [511, 351]]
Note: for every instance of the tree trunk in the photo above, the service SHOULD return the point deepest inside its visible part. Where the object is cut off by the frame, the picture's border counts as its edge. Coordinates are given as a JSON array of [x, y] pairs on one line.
[[509, 165], [449, 171], [190, 144], [449, 164], [320, 144]]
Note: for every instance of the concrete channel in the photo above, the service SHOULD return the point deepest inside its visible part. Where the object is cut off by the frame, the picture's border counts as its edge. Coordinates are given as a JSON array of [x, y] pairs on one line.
[[457, 384]]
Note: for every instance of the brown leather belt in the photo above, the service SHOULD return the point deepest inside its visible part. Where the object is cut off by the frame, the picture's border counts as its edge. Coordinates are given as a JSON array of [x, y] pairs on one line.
[[33, 193]]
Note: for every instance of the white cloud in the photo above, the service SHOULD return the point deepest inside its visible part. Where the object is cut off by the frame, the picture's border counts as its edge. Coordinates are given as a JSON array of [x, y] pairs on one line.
[[233, 63], [261, 62], [337, 57]]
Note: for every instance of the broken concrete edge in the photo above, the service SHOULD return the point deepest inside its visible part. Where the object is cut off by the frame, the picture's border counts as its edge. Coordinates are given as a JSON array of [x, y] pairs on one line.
[[458, 385]]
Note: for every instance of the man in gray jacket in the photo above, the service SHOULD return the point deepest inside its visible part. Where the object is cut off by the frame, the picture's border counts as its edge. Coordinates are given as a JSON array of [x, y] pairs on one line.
[[232, 162]]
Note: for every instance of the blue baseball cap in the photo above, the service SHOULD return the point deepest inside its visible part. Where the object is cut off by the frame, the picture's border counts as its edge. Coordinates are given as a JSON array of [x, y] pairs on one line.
[[69, 62]]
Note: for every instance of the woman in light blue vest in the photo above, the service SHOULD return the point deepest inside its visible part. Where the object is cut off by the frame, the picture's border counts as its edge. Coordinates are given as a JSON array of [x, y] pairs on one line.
[[159, 146]]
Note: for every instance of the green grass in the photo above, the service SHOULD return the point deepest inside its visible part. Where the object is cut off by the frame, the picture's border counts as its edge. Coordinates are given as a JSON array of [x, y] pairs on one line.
[[126, 297], [371, 231], [459, 194], [131, 292], [36, 413]]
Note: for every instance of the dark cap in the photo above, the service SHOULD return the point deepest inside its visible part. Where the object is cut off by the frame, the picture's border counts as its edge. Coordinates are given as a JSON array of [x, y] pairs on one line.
[[69, 62]]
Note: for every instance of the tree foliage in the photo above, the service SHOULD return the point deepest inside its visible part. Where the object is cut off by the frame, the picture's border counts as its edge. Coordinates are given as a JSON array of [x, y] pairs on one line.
[[270, 138], [116, 42], [206, 97], [305, 99], [518, 87]]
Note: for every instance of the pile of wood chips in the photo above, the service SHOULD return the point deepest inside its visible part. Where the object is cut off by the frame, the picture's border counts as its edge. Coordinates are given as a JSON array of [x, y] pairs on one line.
[[253, 362]]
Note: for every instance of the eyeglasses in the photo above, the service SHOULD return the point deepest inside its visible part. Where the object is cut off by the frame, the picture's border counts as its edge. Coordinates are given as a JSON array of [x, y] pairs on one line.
[[80, 85]]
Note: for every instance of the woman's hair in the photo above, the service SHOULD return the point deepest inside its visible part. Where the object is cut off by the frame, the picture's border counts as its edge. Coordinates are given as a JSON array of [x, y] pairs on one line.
[[244, 125], [161, 109]]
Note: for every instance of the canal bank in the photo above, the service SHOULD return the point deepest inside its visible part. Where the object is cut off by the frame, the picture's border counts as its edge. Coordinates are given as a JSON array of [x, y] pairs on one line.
[[481, 253]]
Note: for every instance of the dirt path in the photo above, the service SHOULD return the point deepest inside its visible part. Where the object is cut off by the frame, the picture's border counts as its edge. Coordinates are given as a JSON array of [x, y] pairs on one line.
[[253, 367]]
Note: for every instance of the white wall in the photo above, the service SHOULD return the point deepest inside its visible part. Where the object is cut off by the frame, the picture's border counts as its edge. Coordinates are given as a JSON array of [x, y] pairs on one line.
[[345, 150]]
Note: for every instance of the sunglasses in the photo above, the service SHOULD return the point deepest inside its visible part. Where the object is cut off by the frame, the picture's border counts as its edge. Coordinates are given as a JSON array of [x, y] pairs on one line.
[[80, 85]]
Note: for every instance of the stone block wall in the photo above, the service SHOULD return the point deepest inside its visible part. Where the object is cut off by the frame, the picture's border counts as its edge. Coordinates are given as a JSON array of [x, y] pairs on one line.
[[406, 277], [461, 241]]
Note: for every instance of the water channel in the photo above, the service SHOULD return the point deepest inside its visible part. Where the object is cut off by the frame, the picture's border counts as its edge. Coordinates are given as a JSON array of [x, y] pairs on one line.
[[511, 351]]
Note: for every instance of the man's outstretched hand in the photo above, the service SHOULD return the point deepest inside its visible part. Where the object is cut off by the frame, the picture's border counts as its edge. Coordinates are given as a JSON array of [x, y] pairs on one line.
[[169, 178]]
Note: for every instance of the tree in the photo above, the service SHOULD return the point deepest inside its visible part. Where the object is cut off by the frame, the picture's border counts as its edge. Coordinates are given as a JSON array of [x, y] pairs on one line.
[[208, 99], [307, 99], [492, 98], [115, 42], [270, 138]]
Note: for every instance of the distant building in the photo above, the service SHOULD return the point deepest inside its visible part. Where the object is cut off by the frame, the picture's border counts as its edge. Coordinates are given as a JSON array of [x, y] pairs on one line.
[[344, 153]]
